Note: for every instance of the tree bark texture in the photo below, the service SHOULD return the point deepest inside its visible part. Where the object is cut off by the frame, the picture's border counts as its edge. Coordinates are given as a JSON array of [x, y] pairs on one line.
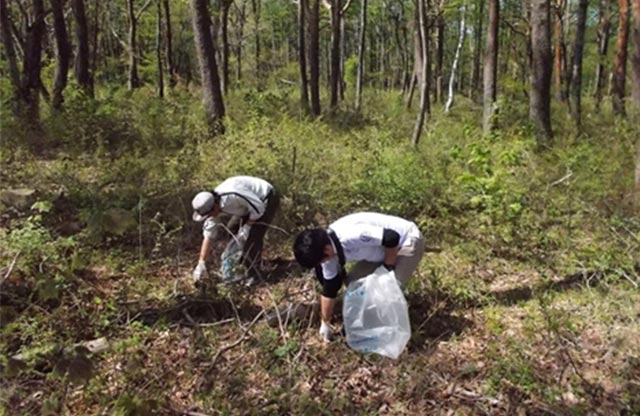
[[424, 80], [560, 53], [82, 72], [168, 44], [541, 61], [604, 26], [10, 54], [224, 36], [490, 70], [159, 49], [133, 80], [475, 73], [635, 59], [33, 62], [361, 50], [211, 92], [302, 56], [456, 59], [255, 4], [334, 77], [314, 56], [63, 53], [576, 63], [620, 68]]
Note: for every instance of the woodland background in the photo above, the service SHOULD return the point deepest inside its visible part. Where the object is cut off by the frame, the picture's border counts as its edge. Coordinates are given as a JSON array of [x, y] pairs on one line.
[[508, 131]]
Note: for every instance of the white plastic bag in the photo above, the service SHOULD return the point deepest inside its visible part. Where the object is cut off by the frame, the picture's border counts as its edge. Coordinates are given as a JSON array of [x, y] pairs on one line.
[[376, 315]]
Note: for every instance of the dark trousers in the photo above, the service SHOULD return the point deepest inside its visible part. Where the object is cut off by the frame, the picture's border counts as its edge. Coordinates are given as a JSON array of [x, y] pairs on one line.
[[252, 253]]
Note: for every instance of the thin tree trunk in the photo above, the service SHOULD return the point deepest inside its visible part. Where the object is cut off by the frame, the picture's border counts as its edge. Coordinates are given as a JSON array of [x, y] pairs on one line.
[[314, 56], [159, 49], [490, 70], [224, 21], [560, 56], [242, 18], [168, 45], [211, 92], [255, 4], [475, 75], [63, 53], [10, 55], [576, 64], [134, 81], [424, 80], [82, 73], [539, 98], [302, 56], [620, 69], [334, 75], [603, 45], [361, 50], [341, 83], [456, 59], [635, 59], [96, 32], [33, 62], [440, 60]]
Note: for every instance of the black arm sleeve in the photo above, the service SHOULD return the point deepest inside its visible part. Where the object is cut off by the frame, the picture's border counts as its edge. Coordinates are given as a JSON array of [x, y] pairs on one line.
[[330, 287], [390, 238]]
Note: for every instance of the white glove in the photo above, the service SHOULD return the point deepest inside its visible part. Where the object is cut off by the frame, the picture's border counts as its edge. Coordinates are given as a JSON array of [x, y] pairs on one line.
[[325, 332], [243, 233], [199, 272]]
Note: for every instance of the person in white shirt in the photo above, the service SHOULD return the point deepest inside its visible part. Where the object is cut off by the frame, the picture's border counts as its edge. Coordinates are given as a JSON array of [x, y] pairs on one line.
[[367, 238], [251, 202]]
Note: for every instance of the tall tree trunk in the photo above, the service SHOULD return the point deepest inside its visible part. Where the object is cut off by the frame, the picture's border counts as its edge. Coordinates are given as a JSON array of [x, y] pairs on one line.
[[576, 63], [603, 45], [635, 59], [541, 61], [224, 35], [242, 18], [134, 81], [314, 56], [475, 74], [440, 59], [620, 69], [95, 52], [560, 55], [82, 73], [211, 92], [33, 62], [490, 70], [456, 59], [302, 56], [343, 42], [361, 49], [255, 4], [159, 49], [168, 45], [10, 55], [63, 53], [424, 80], [334, 77]]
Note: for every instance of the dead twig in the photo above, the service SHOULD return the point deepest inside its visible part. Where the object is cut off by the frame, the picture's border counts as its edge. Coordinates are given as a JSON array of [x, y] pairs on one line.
[[11, 266], [226, 348]]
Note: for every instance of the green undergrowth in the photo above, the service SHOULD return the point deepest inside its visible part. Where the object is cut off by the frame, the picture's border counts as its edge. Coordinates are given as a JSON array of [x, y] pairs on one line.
[[539, 244]]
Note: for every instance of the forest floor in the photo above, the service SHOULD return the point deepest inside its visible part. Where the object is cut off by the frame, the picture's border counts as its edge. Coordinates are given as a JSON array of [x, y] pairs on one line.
[[519, 344]]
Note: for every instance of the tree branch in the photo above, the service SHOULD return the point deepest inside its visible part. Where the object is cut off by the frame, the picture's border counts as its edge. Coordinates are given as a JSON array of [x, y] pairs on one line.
[[346, 7], [144, 7]]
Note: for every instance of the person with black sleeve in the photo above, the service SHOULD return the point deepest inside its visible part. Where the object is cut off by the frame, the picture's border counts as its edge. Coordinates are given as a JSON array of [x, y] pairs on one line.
[[370, 240]]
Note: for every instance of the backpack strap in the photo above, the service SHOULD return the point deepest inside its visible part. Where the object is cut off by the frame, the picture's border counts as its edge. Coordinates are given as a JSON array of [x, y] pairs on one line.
[[338, 246]]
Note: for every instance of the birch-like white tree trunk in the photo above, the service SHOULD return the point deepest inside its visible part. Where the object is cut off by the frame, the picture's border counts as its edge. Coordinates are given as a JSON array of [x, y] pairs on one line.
[[456, 59]]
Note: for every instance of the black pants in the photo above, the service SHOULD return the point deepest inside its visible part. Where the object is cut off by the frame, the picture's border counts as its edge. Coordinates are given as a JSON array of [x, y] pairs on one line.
[[252, 253]]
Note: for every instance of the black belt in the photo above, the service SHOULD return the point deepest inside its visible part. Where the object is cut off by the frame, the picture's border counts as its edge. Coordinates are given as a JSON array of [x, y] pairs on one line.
[[269, 195]]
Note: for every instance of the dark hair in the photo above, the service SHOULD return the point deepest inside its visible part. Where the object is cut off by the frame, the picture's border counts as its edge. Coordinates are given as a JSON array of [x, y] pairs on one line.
[[309, 247]]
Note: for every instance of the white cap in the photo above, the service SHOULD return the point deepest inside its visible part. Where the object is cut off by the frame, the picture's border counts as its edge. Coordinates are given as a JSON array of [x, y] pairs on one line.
[[202, 203]]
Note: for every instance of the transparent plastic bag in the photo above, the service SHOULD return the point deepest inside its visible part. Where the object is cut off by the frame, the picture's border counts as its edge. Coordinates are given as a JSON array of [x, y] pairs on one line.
[[376, 315], [231, 267]]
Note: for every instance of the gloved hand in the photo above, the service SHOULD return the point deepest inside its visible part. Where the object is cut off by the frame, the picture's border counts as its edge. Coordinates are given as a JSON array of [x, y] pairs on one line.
[[243, 233], [325, 332], [200, 272]]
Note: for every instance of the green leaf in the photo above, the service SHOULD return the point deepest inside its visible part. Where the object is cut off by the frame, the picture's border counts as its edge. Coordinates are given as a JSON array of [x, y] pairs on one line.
[[47, 289]]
